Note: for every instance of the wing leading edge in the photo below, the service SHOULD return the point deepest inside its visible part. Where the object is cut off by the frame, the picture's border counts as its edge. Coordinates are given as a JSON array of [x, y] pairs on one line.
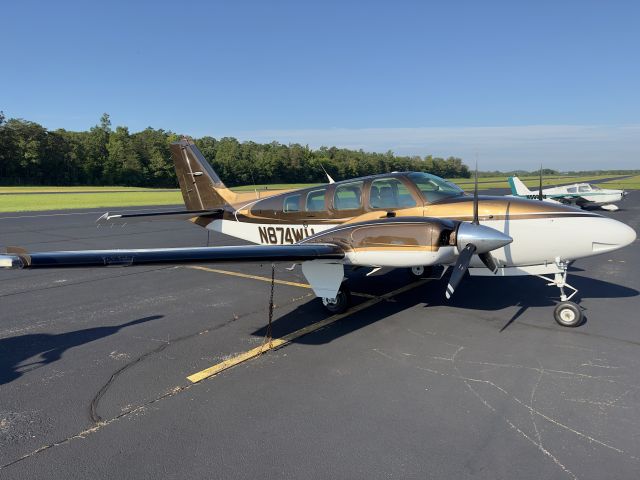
[[19, 258]]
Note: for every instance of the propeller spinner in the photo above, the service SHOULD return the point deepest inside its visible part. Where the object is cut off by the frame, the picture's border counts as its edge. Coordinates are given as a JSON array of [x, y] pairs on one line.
[[473, 238]]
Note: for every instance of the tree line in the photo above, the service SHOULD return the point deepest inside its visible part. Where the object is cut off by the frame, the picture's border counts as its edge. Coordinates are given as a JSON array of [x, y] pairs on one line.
[[32, 155]]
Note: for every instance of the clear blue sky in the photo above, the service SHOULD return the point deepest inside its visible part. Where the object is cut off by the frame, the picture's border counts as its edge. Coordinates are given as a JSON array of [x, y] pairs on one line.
[[557, 80]]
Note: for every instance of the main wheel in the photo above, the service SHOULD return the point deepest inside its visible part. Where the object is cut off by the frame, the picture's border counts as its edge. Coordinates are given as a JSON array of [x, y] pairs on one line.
[[419, 272], [340, 303], [568, 314]]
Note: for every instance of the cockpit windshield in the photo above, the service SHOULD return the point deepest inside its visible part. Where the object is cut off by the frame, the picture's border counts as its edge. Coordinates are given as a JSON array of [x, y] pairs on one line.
[[434, 188]]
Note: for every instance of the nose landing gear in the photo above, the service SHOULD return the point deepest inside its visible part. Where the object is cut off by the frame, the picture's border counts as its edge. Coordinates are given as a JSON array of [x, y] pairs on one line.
[[566, 313]]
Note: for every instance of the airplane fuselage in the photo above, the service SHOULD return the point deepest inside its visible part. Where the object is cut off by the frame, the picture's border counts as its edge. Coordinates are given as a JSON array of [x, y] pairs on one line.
[[543, 233]]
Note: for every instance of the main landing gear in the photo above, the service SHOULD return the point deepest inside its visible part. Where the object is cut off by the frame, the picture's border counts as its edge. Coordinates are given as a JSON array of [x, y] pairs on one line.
[[339, 304], [566, 313], [421, 272]]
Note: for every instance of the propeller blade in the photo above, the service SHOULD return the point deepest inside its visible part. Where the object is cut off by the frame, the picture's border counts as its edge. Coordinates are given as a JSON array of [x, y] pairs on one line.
[[488, 261], [476, 220], [459, 270], [540, 187]]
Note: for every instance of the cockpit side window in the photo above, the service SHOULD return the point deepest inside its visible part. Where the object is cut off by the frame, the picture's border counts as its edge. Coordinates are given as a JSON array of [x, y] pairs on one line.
[[315, 200], [390, 193], [584, 188], [348, 196], [572, 189], [434, 188]]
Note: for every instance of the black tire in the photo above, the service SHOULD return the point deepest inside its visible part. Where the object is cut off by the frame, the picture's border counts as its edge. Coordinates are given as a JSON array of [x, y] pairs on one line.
[[420, 271], [568, 314], [342, 301]]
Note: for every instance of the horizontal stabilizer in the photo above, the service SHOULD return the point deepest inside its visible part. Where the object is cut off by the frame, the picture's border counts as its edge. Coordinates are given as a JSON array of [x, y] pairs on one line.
[[124, 218], [18, 258]]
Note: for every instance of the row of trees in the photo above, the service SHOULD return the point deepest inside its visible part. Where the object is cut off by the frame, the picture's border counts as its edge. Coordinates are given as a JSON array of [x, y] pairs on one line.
[[32, 155]]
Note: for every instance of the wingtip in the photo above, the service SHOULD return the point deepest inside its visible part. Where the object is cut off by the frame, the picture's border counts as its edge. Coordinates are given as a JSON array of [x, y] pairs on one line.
[[11, 261]]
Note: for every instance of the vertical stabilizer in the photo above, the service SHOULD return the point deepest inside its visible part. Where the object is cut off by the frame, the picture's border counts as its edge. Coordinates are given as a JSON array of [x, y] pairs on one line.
[[518, 188], [201, 187]]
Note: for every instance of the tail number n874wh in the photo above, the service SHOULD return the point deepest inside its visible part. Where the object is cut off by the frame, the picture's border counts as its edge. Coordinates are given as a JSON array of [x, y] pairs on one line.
[[282, 235]]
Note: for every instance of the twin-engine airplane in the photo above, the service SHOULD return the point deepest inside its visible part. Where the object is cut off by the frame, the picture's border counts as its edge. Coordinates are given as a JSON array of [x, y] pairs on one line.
[[579, 194], [406, 219]]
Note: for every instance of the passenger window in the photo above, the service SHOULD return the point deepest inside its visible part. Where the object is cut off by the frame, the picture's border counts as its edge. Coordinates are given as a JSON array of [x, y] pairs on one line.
[[572, 189], [315, 200], [292, 203], [348, 196], [584, 188], [390, 193]]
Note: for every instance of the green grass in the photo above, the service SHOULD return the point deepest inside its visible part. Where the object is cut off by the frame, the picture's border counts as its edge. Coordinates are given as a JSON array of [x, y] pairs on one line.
[[631, 183], [21, 203], [530, 181], [70, 189], [19, 199]]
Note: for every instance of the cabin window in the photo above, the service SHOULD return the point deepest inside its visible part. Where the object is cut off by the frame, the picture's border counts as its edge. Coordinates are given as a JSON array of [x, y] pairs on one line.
[[390, 193], [584, 188], [572, 189], [292, 203], [348, 196], [315, 200]]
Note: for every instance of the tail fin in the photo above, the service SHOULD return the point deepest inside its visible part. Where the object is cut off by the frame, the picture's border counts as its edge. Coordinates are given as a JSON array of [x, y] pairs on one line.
[[201, 187], [518, 188]]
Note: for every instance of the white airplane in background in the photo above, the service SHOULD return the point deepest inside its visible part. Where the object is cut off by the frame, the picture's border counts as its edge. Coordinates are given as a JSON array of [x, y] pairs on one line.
[[579, 194]]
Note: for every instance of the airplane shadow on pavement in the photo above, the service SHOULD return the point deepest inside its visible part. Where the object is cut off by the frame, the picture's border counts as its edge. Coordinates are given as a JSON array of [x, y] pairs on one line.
[[474, 293], [47, 348]]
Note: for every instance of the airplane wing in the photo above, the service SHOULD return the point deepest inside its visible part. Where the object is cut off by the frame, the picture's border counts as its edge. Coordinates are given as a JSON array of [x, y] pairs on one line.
[[570, 198], [20, 258]]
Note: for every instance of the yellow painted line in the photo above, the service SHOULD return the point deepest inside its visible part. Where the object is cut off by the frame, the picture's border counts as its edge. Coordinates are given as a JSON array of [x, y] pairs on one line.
[[286, 339], [253, 277], [267, 279]]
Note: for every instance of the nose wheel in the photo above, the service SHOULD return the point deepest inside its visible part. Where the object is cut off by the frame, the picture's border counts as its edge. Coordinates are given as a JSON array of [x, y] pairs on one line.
[[568, 314]]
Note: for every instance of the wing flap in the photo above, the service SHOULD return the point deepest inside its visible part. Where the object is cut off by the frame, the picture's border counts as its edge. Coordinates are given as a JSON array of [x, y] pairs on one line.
[[18, 258]]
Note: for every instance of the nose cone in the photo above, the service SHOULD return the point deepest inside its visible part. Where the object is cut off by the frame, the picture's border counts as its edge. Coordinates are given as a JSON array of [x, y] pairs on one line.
[[484, 238], [613, 235], [626, 234]]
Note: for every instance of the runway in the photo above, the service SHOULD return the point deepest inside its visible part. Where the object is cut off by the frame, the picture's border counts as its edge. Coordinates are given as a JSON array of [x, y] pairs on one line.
[[94, 367]]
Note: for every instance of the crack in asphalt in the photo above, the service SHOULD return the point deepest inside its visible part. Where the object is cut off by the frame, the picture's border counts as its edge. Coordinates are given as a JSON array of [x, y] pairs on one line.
[[536, 439]]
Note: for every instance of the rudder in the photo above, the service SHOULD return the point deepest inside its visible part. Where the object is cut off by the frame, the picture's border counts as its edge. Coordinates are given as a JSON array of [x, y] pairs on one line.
[[201, 187], [518, 188]]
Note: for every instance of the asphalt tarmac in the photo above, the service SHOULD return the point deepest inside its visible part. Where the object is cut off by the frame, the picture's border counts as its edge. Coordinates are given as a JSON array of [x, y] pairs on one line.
[[486, 385]]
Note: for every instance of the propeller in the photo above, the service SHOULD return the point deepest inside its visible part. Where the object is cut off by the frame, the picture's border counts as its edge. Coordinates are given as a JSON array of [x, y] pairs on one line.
[[473, 238], [540, 187]]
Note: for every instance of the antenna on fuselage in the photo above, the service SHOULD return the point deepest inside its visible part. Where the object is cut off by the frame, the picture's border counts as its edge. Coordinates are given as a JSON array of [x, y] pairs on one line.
[[331, 180], [540, 187], [476, 220]]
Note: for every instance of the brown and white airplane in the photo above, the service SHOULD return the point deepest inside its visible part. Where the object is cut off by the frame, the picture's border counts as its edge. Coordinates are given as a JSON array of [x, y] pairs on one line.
[[401, 219]]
